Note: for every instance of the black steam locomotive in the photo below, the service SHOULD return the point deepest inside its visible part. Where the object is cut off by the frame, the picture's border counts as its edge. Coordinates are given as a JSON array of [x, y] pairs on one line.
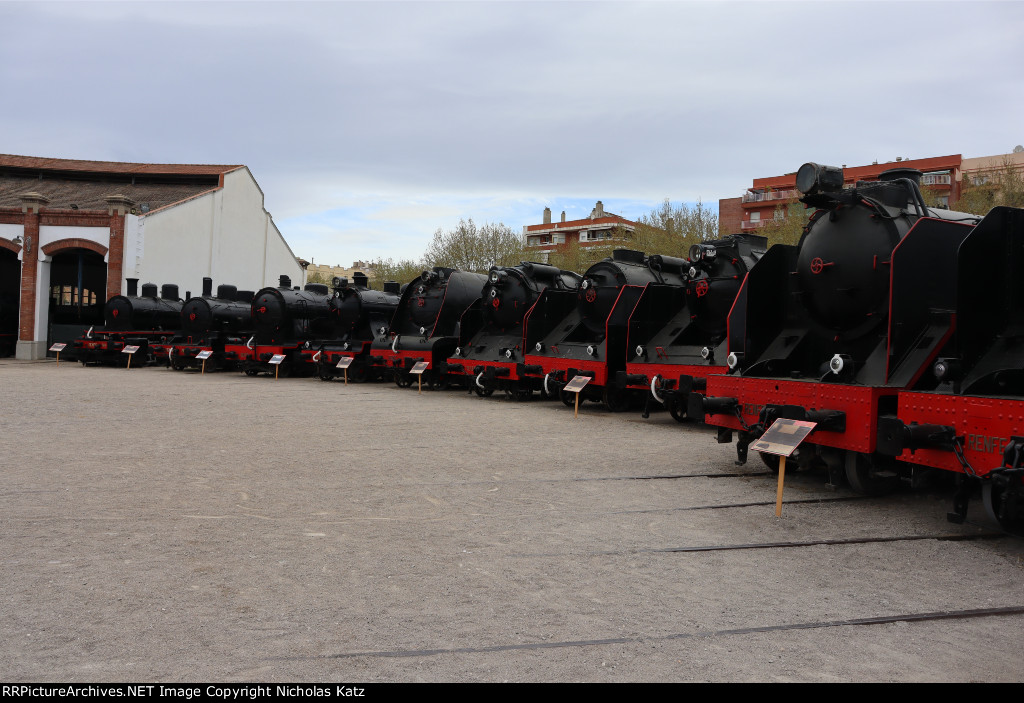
[[359, 312], [971, 422], [677, 334], [830, 331], [493, 358], [210, 324], [289, 324], [144, 321], [591, 339], [427, 325]]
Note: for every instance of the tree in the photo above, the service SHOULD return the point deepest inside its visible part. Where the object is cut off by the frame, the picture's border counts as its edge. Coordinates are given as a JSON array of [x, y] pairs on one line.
[[576, 258], [787, 224], [471, 248], [671, 230], [388, 269]]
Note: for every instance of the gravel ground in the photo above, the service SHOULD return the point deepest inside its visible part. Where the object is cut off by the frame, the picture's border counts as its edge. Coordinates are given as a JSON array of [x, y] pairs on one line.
[[177, 527]]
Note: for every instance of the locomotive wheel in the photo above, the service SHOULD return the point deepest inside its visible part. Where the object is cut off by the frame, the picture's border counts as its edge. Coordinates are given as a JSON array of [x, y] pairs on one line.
[[1006, 512], [252, 372], [325, 372], [860, 474], [437, 383], [677, 410], [402, 380], [484, 392], [615, 400], [568, 399], [518, 394]]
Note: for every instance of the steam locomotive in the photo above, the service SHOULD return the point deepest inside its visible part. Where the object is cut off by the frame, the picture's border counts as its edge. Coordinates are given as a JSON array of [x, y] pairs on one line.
[[677, 334], [971, 421], [358, 310], [427, 325], [833, 330], [146, 321], [590, 340], [289, 323], [212, 323], [492, 358]]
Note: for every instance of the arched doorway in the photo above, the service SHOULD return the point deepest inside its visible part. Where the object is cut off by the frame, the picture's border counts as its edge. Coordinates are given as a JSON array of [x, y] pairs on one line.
[[10, 299], [78, 286]]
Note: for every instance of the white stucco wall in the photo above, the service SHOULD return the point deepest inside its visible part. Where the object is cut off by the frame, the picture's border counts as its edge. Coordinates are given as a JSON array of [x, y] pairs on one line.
[[225, 234], [11, 231]]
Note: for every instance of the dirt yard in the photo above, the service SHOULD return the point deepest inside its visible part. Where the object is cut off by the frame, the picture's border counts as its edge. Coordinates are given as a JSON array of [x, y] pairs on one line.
[[168, 526]]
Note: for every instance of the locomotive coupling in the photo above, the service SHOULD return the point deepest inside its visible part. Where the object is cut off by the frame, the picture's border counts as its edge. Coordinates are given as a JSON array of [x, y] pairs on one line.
[[529, 370], [894, 437], [697, 405]]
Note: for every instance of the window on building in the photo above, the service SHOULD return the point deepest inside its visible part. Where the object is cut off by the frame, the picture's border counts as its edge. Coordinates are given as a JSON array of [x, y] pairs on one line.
[[755, 217]]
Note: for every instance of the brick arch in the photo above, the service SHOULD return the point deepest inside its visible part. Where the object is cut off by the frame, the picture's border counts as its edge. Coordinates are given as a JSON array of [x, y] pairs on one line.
[[74, 243], [8, 244]]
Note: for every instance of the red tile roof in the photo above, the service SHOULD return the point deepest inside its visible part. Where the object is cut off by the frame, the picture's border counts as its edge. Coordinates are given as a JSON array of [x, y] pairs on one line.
[[112, 167]]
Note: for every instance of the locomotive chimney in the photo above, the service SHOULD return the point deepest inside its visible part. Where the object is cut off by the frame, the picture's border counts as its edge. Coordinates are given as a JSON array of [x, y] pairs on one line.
[[284, 282], [226, 291], [133, 286], [207, 287], [148, 290], [360, 280], [169, 291], [547, 216]]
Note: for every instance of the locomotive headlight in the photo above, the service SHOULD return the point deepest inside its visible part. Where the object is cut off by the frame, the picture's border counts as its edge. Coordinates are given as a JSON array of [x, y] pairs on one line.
[[814, 178], [838, 363], [498, 277], [693, 272], [494, 276], [591, 350], [458, 351], [382, 331], [705, 353], [423, 330], [494, 292], [946, 369], [733, 360], [702, 252], [639, 349], [508, 353], [584, 284], [539, 346], [428, 276]]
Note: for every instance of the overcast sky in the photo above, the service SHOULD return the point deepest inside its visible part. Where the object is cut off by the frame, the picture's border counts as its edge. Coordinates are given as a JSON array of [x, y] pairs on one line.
[[370, 125]]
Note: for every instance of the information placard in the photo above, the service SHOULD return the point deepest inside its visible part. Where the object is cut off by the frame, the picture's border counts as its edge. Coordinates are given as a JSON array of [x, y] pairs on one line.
[[130, 349], [783, 437], [344, 362], [204, 354], [58, 347], [577, 384], [277, 359], [419, 367]]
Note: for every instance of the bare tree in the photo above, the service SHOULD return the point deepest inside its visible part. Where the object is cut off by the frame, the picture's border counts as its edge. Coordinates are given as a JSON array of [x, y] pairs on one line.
[[471, 248], [402, 271]]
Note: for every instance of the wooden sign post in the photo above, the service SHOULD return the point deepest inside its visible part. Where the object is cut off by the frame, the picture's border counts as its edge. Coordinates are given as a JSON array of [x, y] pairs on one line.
[[58, 347], [575, 386], [204, 355], [130, 351], [782, 439], [343, 364], [276, 360], [417, 369]]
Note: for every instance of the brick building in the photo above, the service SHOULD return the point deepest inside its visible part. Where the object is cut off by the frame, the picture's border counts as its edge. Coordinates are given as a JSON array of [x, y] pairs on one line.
[[72, 231], [600, 228], [758, 204]]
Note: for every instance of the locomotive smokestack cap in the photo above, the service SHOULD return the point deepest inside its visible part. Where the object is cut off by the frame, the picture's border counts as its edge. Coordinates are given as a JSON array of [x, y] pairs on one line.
[[893, 174], [814, 178], [339, 282], [169, 291], [133, 286], [149, 290], [360, 279], [285, 282], [207, 286]]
